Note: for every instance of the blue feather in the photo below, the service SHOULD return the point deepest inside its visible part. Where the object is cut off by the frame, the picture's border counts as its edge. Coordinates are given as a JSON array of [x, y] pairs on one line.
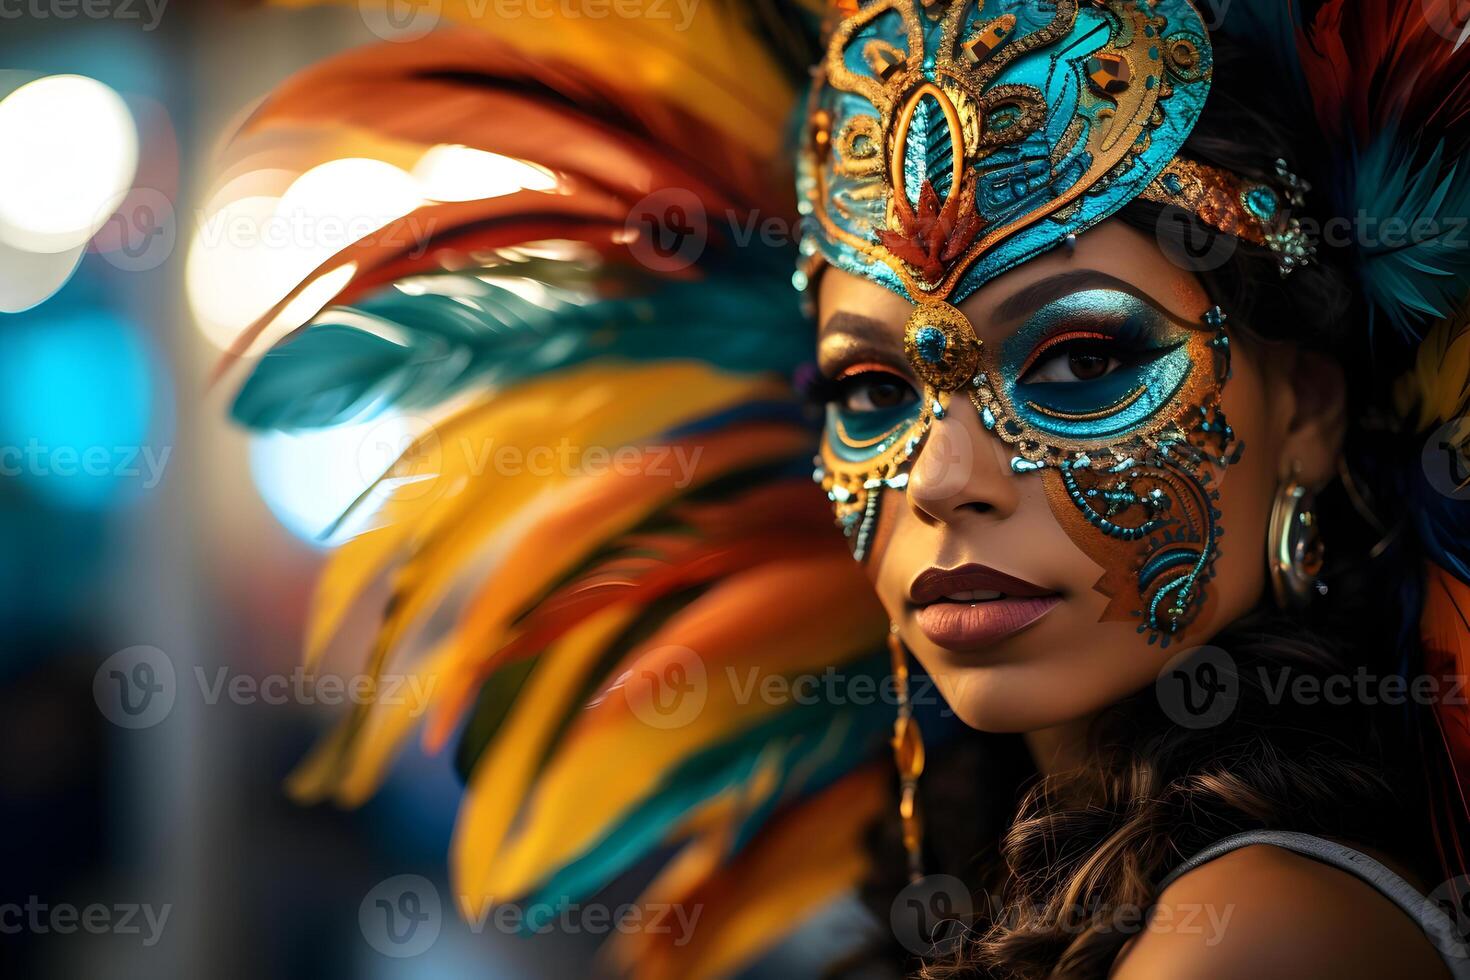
[[414, 351], [1416, 274]]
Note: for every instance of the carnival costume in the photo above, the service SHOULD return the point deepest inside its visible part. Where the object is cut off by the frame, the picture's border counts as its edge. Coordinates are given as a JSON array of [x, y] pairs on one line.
[[608, 626]]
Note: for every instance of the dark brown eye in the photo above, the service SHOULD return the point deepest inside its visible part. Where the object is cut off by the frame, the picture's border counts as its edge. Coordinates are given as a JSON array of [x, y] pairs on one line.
[[874, 391], [1087, 365], [1073, 361], [887, 394]]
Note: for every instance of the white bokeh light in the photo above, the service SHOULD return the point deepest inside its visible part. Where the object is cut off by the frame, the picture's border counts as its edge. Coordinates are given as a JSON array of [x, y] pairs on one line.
[[230, 278], [70, 155], [310, 479], [28, 279], [459, 173], [250, 252]]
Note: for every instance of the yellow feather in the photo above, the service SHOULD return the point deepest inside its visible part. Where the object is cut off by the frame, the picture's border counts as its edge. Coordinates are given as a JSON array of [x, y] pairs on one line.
[[347, 766], [1437, 387], [585, 786], [504, 774], [588, 513], [449, 506], [441, 532]]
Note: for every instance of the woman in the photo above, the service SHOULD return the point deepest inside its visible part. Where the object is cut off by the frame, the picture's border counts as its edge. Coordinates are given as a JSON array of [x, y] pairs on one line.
[[1088, 358]]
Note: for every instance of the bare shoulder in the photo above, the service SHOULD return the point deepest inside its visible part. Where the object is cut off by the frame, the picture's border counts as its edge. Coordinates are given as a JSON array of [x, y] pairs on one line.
[[1266, 913]]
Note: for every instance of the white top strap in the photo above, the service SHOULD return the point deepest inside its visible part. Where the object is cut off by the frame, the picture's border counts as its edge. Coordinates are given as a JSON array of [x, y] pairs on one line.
[[1438, 927]]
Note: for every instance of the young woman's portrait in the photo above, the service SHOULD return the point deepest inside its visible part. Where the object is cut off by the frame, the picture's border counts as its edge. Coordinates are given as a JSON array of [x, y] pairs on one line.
[[874, 488]]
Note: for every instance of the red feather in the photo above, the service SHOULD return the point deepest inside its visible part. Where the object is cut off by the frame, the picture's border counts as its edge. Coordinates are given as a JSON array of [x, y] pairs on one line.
[[1372, 64], [1444, 632]]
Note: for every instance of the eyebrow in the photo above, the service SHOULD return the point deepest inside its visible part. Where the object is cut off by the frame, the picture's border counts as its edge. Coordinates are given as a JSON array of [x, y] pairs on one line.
[[1030, 298], [856, 325]]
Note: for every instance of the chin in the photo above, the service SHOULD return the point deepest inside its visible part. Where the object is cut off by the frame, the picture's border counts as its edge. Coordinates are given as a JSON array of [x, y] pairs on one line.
[[1013, 697], [1045, 677]]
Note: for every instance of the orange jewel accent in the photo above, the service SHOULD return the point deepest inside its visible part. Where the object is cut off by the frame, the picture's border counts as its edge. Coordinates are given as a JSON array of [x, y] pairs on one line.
[[933, 237]]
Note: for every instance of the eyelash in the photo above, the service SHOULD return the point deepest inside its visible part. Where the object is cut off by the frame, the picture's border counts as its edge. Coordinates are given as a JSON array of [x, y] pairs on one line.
[[822, 390], [1059, 342]]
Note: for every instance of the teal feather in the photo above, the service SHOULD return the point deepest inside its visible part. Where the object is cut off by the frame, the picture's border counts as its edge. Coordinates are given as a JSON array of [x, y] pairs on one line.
[[415, 351], [1418, 275]]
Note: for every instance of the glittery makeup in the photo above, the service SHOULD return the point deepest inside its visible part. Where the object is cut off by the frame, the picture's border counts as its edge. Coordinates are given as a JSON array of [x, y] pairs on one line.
[[1128, 454], [1151, 348]]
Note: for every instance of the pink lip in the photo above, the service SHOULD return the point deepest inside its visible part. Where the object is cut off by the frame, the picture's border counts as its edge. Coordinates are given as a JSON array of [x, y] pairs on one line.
[[959, 625]]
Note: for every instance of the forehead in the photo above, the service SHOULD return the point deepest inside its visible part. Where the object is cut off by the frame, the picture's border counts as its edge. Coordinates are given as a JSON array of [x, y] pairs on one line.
[[1113, 255]]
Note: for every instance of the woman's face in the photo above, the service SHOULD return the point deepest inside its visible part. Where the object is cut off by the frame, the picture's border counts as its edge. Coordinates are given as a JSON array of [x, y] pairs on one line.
[[1046, 630]]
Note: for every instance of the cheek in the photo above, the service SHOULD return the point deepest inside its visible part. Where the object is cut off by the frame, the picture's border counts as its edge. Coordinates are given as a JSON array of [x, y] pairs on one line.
[[1246, 493]]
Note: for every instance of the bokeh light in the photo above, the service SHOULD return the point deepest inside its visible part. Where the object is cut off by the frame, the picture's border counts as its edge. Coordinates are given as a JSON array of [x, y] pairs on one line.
[[28, 279], [460, 173], [310, 479], [77, 389], [251, 251], [71, 150]]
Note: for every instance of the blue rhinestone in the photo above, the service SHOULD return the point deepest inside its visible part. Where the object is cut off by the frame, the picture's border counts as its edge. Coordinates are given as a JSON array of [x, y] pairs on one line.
[[1173, 184], [1262, 202], [931, 342]]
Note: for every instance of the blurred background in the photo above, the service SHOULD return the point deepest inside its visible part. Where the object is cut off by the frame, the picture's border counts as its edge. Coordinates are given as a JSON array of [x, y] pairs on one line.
[[157, 561]]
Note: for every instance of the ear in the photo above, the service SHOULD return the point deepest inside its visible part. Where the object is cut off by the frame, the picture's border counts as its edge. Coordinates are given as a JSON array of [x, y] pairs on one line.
[[1313, 439]]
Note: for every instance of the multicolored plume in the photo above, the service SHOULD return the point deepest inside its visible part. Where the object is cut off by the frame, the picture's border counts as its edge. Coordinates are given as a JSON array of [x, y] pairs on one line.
[[1390, 85], [617, 629]]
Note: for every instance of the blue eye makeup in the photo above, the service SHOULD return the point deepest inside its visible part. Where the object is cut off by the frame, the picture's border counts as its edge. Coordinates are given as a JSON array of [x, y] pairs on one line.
[[868, 412], [1094, 365]]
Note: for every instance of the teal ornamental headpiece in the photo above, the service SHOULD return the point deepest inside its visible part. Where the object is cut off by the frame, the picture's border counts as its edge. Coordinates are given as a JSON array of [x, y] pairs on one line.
[[948, 141]]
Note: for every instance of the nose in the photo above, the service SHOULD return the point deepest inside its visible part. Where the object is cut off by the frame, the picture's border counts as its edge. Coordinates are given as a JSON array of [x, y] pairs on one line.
[[962, 471]]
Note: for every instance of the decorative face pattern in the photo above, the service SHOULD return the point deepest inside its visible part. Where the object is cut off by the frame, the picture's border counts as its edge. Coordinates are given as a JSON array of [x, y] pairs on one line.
[[949, 141], [1129, 452]]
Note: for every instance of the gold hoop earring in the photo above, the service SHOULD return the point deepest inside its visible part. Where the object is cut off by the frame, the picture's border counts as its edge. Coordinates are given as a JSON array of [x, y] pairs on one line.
[[1294, 547], [908, 754]]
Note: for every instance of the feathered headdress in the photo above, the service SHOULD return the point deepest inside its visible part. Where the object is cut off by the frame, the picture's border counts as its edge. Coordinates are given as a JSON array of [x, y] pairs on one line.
[[618, 628], [1388, 86]]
